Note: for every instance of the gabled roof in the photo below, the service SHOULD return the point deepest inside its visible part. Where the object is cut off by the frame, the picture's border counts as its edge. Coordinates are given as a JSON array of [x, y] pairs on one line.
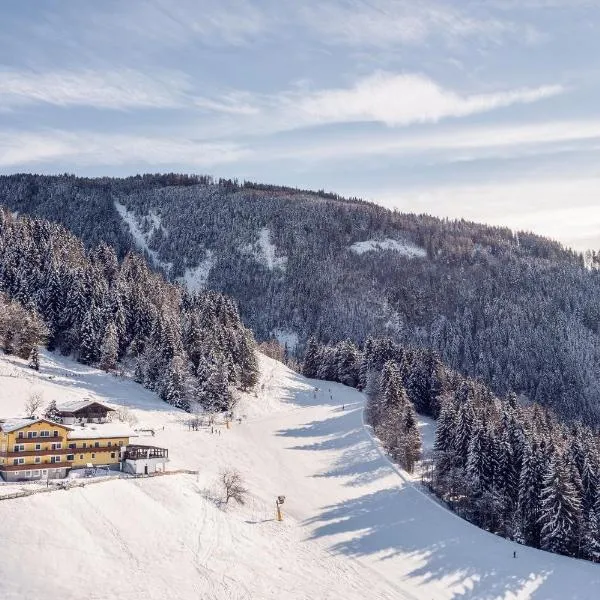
[[99, 431], [77, 405], [9, 425]]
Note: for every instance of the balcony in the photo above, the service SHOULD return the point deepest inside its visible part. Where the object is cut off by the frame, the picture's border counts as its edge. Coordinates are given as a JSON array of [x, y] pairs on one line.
[[39, 440], [43, 452], [36, 467]]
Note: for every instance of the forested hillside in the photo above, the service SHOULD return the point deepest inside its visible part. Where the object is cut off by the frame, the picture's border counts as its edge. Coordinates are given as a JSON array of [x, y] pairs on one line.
[[518, 311], [513, 469], [188, 347]]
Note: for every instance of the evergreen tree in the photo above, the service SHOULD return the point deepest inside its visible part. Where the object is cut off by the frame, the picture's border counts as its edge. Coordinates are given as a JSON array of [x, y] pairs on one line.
[[109, 349], [88, 344], [247, 361], [34, 359], [590, 538], [310, 366], [560, 513], [51, 411]]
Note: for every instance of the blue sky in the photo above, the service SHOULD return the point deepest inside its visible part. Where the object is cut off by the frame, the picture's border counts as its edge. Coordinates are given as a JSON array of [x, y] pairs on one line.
[[483, 109]]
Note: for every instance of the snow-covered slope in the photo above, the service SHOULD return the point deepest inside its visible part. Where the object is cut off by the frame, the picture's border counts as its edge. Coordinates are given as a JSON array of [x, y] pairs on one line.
[[142, 239], [265, 251], [355, 526], [404, 247]]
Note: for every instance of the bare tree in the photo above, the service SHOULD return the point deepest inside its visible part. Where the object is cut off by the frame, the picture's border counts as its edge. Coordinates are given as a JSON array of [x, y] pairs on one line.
[[123, 415], [33, 404], [233, 487]]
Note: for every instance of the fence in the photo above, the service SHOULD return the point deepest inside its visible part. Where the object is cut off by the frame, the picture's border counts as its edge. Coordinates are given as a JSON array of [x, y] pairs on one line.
[[75, 483]]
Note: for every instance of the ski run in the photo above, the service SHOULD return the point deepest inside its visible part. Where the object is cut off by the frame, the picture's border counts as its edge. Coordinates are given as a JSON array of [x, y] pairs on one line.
[[354, 526]]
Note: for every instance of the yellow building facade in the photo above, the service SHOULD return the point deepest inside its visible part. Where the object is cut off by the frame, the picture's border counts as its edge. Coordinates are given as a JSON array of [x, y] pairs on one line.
[[39, 448]]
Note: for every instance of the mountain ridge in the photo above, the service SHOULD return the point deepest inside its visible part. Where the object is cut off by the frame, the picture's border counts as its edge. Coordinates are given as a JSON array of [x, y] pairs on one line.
[[515, 309]]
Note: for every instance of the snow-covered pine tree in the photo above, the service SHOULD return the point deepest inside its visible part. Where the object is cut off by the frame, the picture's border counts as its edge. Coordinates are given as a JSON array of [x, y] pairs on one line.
[[529, 499], [310, 365], [109, 349], [445, 433], [34, 359], [477, 458], [347, 364], [412, 442], [51, 411], [560, 513], [88, 340], [247, 360], [173, 389], [590, 537]]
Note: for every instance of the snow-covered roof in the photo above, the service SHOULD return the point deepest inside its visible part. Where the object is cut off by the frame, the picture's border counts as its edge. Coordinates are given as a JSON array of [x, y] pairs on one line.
[[75, 405], [100, 430], [8, 425]]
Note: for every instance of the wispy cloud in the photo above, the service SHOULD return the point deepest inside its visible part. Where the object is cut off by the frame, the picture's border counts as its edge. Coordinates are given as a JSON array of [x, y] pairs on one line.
[[102, 89], [383, 23], [458, 143], [89, 148]]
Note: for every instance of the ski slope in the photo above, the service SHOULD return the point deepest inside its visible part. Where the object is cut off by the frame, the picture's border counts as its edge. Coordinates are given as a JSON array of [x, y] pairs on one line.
[[355, 526]]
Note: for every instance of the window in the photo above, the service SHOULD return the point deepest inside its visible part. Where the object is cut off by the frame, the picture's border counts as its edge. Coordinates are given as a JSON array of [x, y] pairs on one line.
[[112, 454], [18, 461], [93, 455], [27, 473], [38, 459], [36, 473], [19, 447], [81, 457], [96, 444], [38, 446], [55, 433], [109, 444], [32, 434], [56, 446], [70, 457], [21, 436], [72, 446], [44, 434], [84, 445], [55, 459]]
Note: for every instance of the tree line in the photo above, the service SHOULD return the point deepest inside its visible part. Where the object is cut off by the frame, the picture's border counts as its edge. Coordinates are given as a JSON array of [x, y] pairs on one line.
[[506, 464]]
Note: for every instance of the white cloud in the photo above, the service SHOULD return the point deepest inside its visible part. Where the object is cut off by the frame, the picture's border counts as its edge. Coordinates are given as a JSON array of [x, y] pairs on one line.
[[89, 148], [118, 89], [386, 98], [396, 99]]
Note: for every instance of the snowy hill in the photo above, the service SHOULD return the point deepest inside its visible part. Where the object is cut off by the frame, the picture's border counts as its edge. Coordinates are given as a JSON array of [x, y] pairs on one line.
[[355, 526]]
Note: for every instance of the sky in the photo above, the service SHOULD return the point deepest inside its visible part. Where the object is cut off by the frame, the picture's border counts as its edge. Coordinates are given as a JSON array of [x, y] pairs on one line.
[[487, 110]]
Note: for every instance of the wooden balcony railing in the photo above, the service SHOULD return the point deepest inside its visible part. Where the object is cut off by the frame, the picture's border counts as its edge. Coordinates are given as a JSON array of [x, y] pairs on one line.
[[39, 440], [36, 467], [43, 452]]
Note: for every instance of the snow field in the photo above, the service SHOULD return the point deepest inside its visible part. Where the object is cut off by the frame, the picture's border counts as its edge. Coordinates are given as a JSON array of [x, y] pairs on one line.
[[355, 526], [403, 247]]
